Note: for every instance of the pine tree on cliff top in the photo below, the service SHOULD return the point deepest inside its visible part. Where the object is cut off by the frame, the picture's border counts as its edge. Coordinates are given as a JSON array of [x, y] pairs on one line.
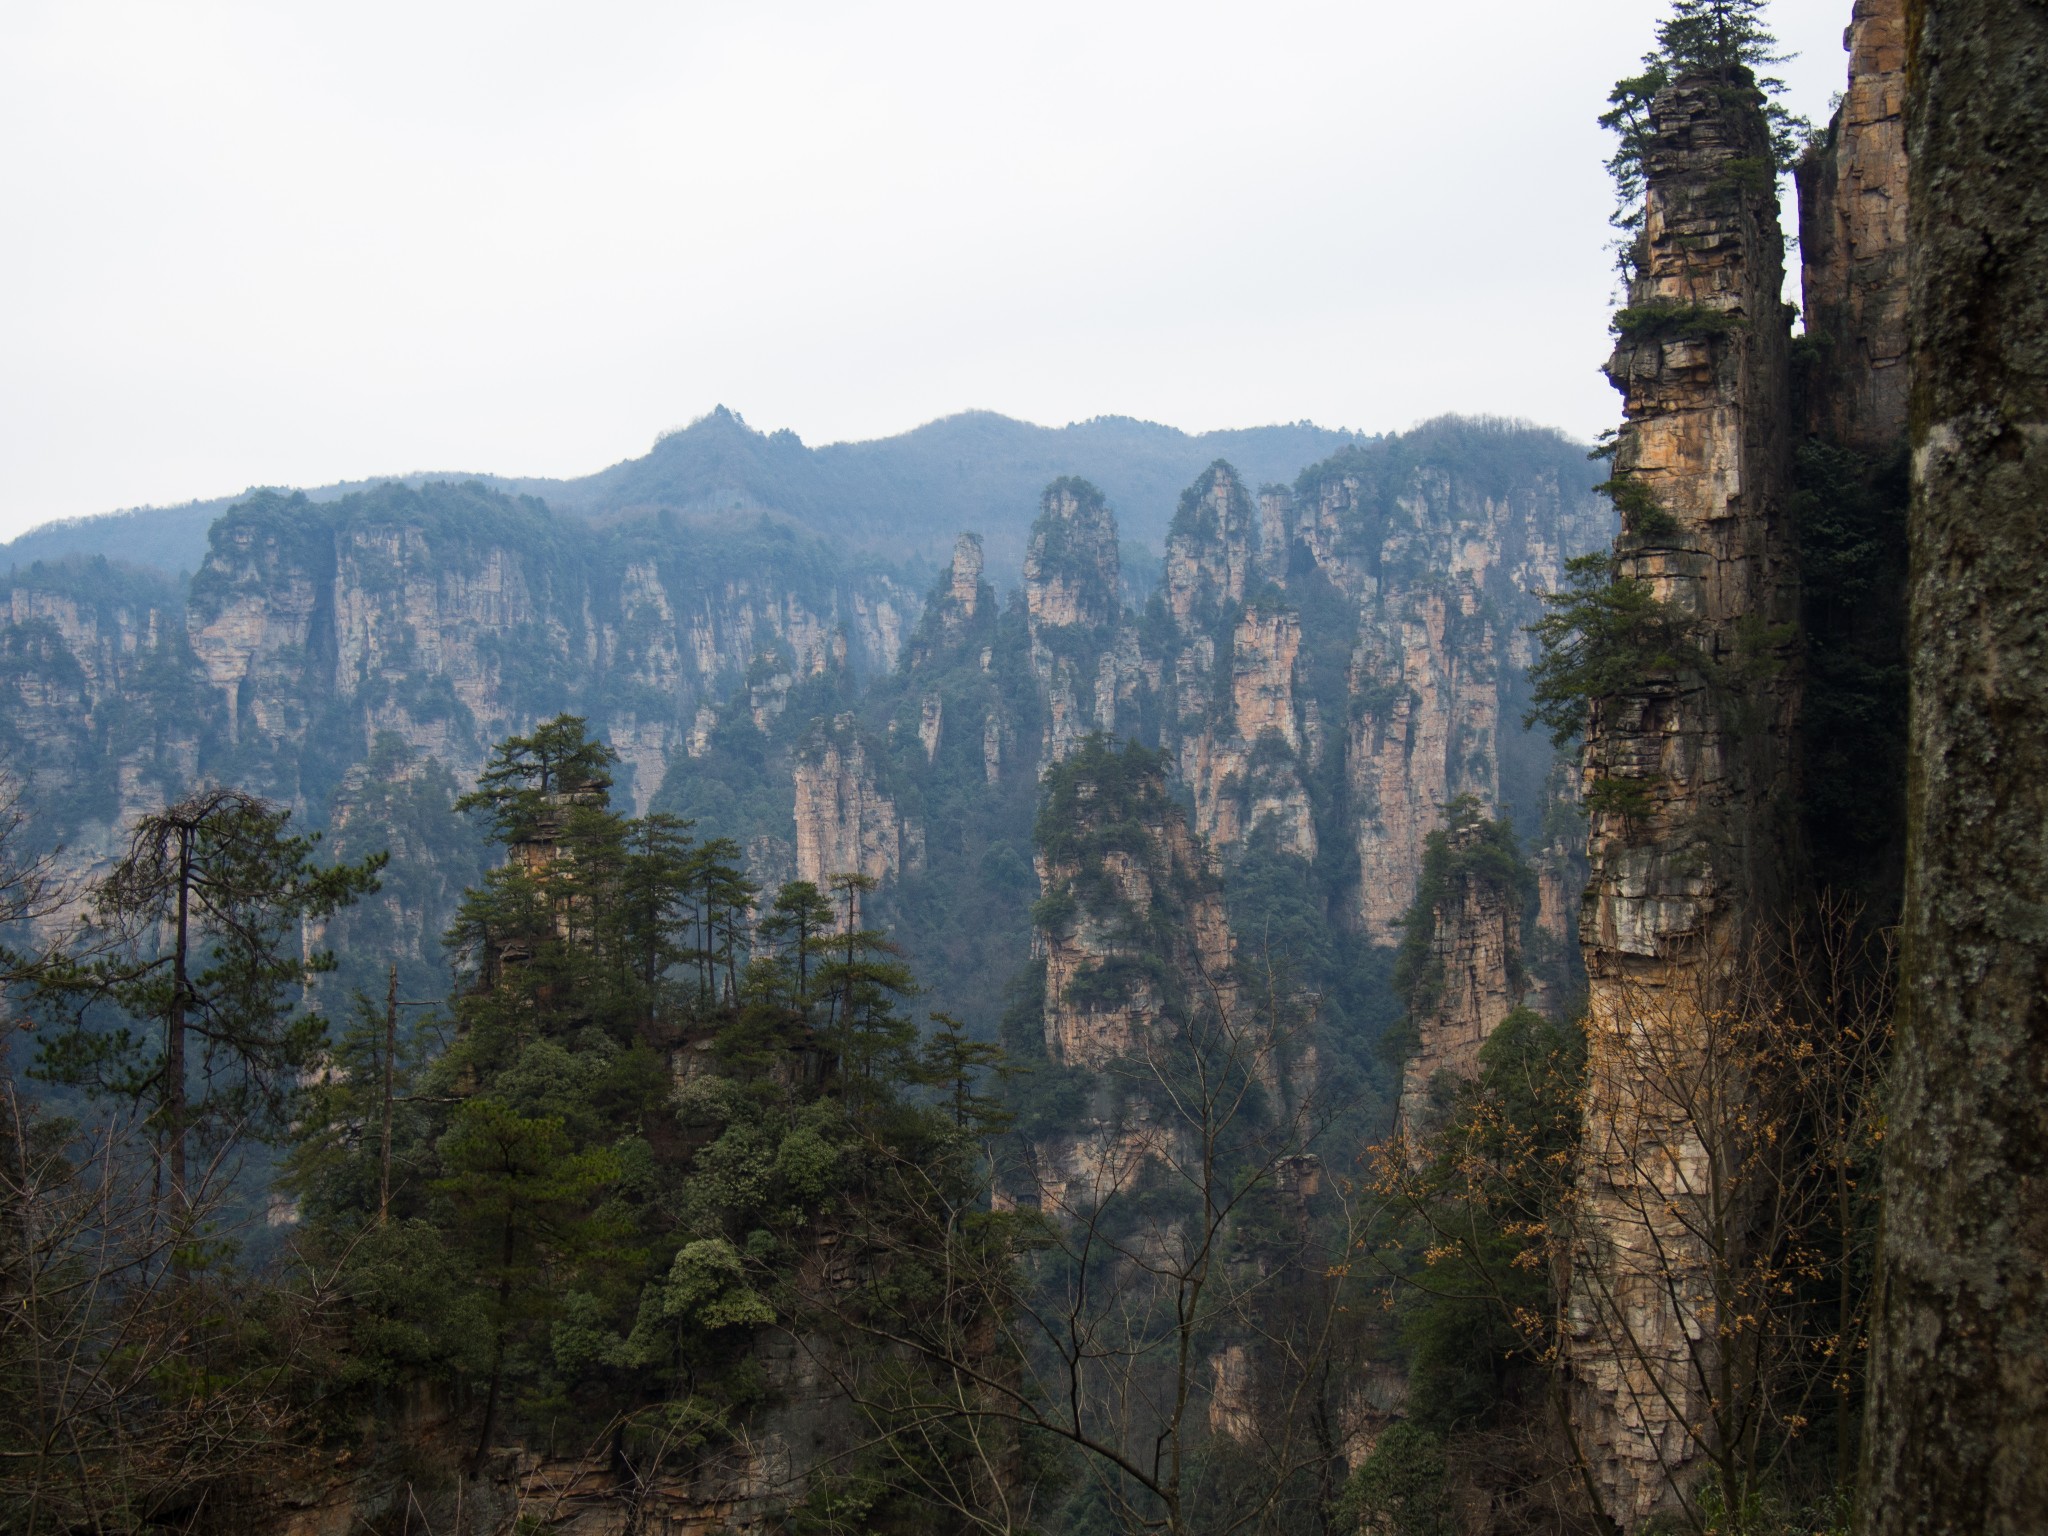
[[1725, 40]]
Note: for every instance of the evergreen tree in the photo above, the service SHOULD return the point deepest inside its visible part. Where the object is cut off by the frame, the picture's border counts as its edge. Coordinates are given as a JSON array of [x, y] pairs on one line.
[[1723, 40], [197, 935]]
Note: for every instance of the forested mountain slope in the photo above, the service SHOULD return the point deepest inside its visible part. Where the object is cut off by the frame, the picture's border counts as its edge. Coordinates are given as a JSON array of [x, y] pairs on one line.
[[901, 496]]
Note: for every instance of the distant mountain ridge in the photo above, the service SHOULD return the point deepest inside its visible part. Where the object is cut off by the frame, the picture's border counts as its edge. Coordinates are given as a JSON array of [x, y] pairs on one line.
[[904, 496]]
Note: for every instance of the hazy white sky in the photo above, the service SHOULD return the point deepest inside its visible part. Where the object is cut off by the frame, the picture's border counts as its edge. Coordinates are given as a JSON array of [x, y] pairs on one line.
[[278, 243]]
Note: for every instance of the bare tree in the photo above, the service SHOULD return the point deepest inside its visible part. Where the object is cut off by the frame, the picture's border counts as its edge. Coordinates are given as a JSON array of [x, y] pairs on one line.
[[134, 1390], [1725, 1205], [1161, 1315]]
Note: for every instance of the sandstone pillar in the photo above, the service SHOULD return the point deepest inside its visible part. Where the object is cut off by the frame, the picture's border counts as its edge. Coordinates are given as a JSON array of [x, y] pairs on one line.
[[1692, 840]]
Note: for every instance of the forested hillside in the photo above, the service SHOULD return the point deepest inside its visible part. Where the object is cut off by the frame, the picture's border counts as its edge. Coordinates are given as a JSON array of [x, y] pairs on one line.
[[823, 796], [1084, 982]]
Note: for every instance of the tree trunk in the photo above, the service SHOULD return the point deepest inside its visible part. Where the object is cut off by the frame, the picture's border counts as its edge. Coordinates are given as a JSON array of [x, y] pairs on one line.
[[1957, 1434], [480, 1457], [390, 1060], [174, 1027]]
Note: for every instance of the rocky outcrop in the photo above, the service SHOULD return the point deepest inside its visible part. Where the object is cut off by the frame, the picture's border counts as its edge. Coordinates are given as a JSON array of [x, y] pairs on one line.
[[844, 823], [1209, 550], [959, 610], [1085, 660], [1475, 974], [1689, 773], [1136, 945], [1852, 243]]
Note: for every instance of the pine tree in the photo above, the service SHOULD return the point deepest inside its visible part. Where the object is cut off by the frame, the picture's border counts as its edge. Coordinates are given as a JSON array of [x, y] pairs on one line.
[[196, 936]]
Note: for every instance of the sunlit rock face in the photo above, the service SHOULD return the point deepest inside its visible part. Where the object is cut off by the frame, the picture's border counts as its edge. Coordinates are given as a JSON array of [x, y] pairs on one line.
[[1690, 836]]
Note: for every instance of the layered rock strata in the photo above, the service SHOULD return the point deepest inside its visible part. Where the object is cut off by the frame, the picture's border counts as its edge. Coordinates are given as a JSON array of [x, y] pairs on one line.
[[1690, 778]]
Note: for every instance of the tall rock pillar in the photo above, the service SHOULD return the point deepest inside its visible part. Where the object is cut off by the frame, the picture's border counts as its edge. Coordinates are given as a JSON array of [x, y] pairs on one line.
[[1852, 243], [1476, 968], [1688, 773]]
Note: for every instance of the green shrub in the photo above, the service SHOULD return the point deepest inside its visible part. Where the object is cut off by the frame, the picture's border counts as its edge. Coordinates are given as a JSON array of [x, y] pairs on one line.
[[1668, 320], [1605, 635]]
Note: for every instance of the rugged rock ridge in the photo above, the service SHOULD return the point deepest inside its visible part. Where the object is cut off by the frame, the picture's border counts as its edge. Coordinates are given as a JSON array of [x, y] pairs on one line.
[[1852, 242], [443, 630], [1345, 661], [1690, 770], [445, 616]]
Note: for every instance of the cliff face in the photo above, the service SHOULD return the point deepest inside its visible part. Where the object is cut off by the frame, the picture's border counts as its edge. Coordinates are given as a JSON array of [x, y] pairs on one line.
[[446, 617], [1084, 658], [1852, 242], [401, 616], [1690, 772], [1136, 945], [1475, 960], [101, 717], [1351, 657], [844, 823]]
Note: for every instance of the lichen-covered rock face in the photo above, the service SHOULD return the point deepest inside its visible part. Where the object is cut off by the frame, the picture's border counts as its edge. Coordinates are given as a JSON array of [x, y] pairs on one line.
[[1852, 242], [1703, 367]]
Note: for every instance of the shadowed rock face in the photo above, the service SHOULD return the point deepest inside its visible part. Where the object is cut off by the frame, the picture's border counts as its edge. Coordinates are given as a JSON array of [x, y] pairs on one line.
[[1958, 1426], [1706, 390]]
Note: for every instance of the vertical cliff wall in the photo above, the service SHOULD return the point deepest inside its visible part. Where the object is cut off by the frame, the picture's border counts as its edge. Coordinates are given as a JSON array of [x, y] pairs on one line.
[[1348, 659], [1135, 943], [1852, 243], [1472, 974], [102, 715], [1690, 771], [845, 822], [1083, 655]]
